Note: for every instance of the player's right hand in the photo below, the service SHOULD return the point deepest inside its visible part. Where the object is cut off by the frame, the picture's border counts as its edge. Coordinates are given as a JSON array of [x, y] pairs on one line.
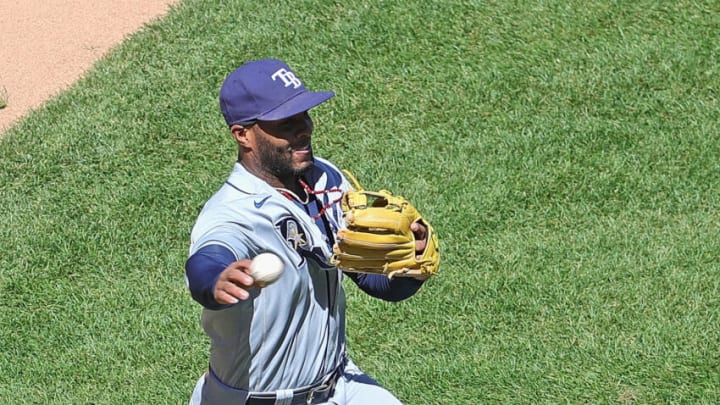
[[233, 283]]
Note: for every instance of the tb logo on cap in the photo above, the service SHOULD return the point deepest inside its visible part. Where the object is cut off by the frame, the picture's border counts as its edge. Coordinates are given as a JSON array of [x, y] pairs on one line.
[[287, 77]]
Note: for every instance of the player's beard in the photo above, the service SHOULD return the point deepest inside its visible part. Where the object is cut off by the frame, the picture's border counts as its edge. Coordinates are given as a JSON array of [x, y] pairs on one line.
[[280, 161]]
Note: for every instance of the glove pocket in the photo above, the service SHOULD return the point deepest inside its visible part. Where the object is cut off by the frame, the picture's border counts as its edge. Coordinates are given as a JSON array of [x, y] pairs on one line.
[[379, 221], [374, 251], [362, 237]]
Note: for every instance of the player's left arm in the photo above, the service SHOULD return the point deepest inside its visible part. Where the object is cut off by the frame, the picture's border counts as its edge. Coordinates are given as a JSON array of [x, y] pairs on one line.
[[379, 286]]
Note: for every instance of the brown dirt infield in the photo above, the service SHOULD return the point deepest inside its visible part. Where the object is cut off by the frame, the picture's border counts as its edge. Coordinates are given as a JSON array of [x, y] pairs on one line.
[[46, 45]]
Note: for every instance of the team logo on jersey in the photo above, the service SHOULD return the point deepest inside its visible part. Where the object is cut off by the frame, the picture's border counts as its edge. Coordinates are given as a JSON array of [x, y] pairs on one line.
[[293, 233], [297, 239]]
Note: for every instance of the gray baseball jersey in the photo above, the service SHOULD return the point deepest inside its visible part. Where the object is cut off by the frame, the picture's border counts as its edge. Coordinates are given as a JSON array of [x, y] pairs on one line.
[[291, 333]]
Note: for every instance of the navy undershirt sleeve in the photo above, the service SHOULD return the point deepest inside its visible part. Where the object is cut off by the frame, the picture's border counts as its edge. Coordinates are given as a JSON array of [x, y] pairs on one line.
[[379, 286], [203, 269]]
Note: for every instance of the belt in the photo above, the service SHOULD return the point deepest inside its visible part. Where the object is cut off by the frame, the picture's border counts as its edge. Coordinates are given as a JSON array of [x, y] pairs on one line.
[[312, 395]]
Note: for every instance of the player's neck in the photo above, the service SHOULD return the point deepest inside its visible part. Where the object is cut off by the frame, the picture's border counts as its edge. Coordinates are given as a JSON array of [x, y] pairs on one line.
[[292, 185], [302, 196], [291, 182], [293, 188]]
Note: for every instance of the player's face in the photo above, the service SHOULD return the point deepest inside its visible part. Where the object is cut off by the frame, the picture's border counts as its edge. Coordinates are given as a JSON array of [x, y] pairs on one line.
[[283, 146]]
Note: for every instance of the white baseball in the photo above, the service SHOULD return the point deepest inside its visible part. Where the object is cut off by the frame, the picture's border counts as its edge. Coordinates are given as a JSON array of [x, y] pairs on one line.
[[266, 268]]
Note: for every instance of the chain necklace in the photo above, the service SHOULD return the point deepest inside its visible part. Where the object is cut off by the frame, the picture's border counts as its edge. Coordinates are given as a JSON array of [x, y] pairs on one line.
[[308, 192]]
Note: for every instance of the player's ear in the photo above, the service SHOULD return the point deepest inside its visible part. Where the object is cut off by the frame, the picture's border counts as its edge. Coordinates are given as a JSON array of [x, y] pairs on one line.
[[240, 133]]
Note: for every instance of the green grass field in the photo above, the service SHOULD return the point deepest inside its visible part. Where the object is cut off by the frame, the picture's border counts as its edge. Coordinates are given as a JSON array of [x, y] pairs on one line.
[[567, 153]]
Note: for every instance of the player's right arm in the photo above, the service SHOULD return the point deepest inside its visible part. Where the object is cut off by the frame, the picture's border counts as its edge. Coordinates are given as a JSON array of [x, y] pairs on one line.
[[215, 278]]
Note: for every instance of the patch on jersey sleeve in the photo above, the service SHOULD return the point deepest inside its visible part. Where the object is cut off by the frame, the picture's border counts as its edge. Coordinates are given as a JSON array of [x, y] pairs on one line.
[[297, 239]]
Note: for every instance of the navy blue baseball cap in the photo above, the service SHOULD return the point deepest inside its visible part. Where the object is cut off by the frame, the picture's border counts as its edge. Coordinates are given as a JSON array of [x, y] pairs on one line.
[[265, 90]]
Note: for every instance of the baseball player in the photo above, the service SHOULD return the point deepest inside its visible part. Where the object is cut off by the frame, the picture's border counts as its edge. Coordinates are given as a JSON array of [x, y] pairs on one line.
[[284, 343]]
